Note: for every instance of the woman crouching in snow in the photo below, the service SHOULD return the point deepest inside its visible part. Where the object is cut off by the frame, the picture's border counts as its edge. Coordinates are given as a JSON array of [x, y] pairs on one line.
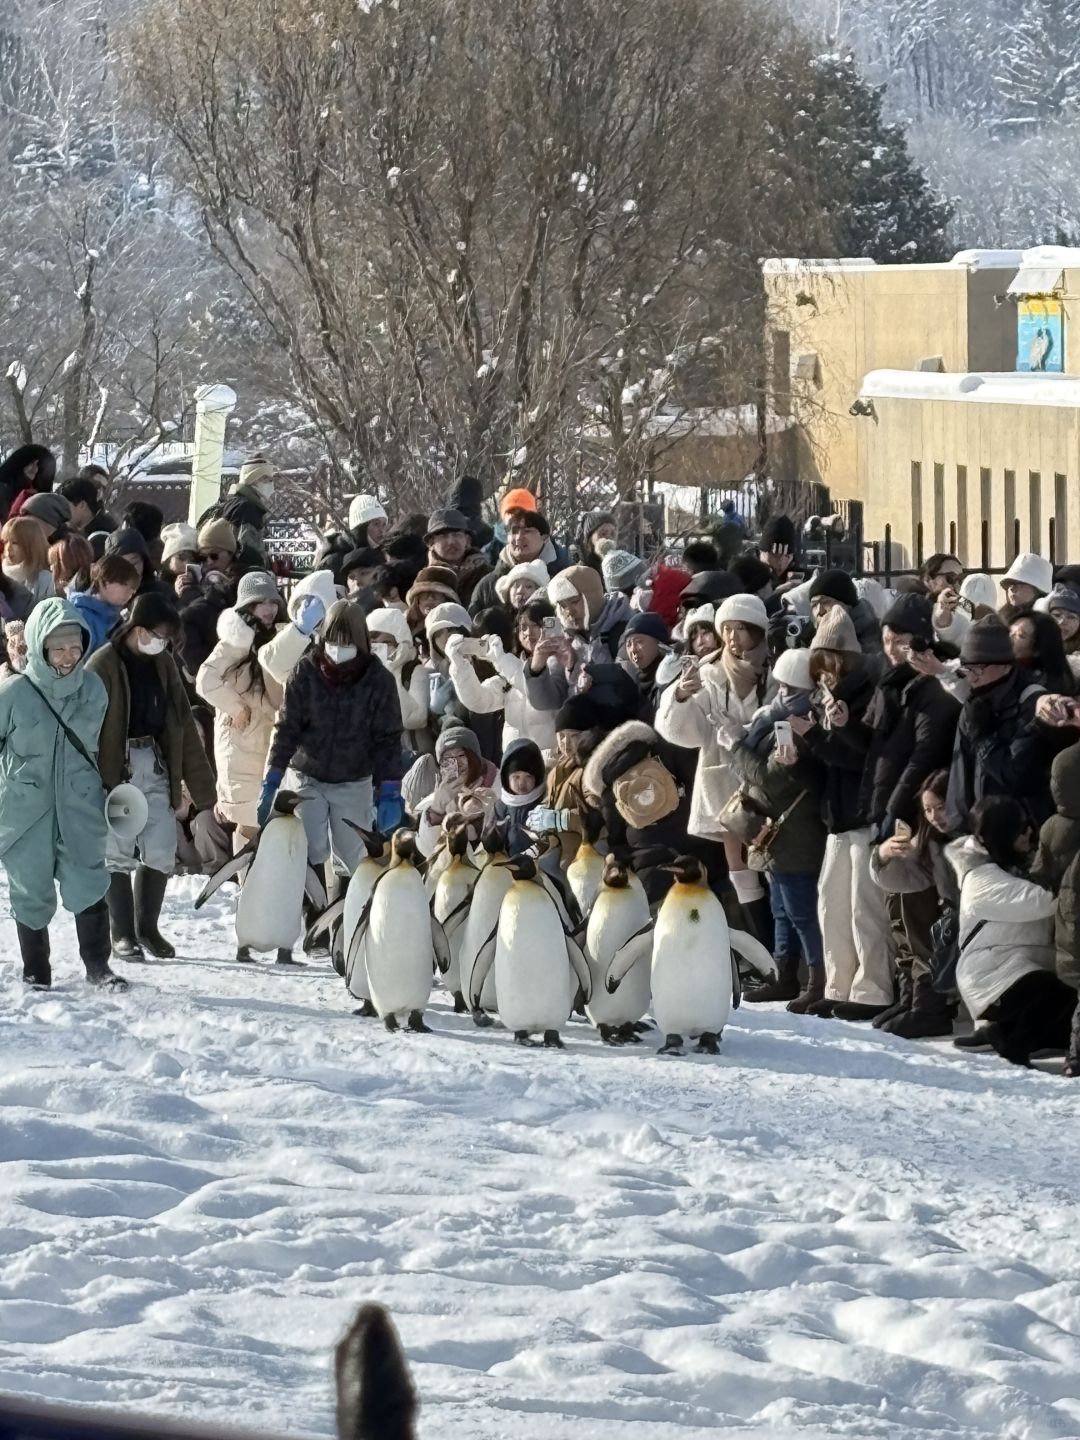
[[1005, 972], [52, 802]]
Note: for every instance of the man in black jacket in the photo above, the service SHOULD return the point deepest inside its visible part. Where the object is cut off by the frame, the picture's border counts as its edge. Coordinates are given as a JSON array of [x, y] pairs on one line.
[[1000, 748]]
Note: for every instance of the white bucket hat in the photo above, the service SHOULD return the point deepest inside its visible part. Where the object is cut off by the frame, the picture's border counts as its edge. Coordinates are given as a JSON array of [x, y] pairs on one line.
[[1033, 570]]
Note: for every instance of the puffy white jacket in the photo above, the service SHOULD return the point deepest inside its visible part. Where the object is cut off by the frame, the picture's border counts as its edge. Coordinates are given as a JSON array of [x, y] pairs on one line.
[[1017, 937], [506, 690], [243, 718], [281, 655], [713, 721], [413, 694]]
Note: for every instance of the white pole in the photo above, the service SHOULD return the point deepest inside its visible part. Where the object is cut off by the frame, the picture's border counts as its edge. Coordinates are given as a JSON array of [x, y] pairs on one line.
[[213, 406]]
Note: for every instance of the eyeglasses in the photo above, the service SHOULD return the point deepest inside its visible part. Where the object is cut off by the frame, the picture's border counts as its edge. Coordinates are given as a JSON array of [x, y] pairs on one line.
[[215, 555], [951, 577]]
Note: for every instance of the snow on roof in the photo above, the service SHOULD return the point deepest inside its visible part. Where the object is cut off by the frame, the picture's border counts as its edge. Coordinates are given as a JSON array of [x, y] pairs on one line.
[[796, 266], [963, 259], [1004, 388], [988, 259], [1042, 268]]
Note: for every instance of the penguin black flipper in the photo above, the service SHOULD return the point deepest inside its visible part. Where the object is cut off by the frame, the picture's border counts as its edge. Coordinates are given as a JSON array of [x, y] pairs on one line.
[[330, 917], [637, 948], [225, 873], [315, 888], [441, 946], [580, 967], [567, 906], [485, 958], [754, 953], [359, 934]]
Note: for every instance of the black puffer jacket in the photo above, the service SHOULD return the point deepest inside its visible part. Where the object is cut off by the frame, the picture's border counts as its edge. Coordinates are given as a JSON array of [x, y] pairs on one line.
[[841, 753], [914, 723], [337, 729]]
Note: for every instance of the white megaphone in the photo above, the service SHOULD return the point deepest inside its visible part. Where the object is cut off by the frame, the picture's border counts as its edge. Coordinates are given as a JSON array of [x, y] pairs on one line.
[[126, 812]]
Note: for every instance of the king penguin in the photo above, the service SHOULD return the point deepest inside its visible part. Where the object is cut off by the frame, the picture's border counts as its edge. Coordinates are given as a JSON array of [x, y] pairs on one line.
[[692, 965], [274, 877], [532, 953], [451, 901], [585, 873], [401, 939], [487, 897], [618, 942]]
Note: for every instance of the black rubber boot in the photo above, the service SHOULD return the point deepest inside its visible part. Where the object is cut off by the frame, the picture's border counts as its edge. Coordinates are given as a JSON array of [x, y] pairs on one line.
[[930, 1014], [92, 927], [784, 987], [903, 1001], [34, 947], [150, 887], [812, 993], [121, 913]]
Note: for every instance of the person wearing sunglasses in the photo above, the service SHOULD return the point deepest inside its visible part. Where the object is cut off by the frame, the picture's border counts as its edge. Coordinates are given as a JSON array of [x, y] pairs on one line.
[[942, 575]]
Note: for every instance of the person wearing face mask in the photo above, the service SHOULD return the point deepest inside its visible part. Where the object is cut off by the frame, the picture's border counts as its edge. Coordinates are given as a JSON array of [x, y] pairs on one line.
[[245, 699], [247, 505], [150, 740], [339, 729], [52, 801], [392, 644]]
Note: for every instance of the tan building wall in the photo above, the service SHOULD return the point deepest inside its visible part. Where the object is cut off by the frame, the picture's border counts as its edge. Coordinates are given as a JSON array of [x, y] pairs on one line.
[[967, 461], [834, 321]]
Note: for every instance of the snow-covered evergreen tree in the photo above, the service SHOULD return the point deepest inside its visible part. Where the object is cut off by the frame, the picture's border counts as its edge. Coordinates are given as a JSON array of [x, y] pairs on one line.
[[1040, 76]]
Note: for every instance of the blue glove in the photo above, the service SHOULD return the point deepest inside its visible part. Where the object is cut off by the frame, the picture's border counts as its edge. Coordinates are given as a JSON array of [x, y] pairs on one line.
[[310, 613], [269, 789], [390, 811]]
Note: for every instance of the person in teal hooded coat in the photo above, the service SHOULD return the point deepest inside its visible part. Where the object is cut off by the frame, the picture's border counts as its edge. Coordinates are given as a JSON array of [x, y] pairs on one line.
[[52, 802]]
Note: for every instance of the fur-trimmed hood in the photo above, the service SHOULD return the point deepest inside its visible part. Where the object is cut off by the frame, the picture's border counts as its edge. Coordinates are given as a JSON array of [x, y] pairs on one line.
[[234, 631], [625, 746]]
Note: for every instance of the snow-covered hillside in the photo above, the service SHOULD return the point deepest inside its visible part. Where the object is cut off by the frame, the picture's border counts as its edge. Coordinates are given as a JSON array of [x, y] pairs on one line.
[[824, 1232]]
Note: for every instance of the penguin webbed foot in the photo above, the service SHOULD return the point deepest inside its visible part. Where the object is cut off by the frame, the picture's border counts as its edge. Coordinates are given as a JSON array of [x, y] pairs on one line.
[[628, 1035], [522, 1037], [709, 1044], [367, 1011], [672, 1045], [417, 1025], [481, 1019], [391, 1022], [609, 1034], [553, 1040], [460, 1007]]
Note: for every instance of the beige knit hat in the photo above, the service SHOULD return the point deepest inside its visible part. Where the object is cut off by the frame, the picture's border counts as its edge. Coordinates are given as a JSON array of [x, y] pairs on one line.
[[835, 631], [218, 535]]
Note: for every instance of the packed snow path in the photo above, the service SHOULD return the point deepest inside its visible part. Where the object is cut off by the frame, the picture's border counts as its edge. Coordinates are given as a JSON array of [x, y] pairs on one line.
[[823, 1232]]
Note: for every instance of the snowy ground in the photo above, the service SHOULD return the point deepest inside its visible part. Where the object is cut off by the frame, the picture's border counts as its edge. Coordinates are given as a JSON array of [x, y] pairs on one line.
[[824, 1232]]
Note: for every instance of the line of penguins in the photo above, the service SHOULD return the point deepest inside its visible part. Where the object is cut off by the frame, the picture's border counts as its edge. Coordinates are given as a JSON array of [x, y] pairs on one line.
[[511, 941]]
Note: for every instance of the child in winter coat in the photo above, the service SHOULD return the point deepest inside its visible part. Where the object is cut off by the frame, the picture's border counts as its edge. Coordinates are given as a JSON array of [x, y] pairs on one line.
[[113, 583], [245, 699], [52, 804], [149, 738], [339, 729], [522, 788], [392, 643], [1005, 972]]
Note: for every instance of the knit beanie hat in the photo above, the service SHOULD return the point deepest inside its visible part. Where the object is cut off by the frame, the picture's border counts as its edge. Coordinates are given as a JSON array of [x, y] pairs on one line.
[[440, 522], [447, 617], [987, 642], [752, 574], [534, 570], [518, 499], [433, 580], [779, 531], [792, 668], [50, 508], [622, 570], [256, 469], [836, 632], [912, 615], [457, 737], [836, 585], [745, 609], [363, 508], [1064, 597], [581, 712], [179, 539], [367, 558], [218, 535], [648, 624], [255, 587]]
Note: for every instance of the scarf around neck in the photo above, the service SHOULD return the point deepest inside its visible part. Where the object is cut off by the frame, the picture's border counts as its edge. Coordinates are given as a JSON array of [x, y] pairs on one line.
[[744, 675]]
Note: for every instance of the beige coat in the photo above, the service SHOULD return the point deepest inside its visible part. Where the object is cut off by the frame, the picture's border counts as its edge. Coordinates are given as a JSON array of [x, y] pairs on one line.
[[243, 718]]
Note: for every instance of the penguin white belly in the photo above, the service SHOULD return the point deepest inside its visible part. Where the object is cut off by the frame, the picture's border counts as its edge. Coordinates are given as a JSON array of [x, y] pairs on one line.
[[270, 913], [356, 897], [585, 876], [616, 916], [531, 963], [691, 966], [455, 885], [484, 914], [398, 944]]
